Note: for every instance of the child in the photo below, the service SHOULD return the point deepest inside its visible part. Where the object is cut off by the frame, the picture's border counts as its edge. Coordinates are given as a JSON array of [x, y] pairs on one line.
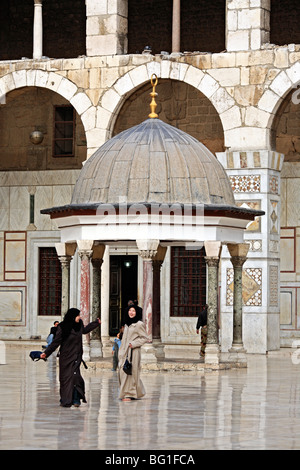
[[116, 347]]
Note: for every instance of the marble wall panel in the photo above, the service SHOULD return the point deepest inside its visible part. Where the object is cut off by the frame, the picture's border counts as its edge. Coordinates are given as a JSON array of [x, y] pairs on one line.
[[1, 256], [12, 305], [287, 306], [293, 206], [283, 202], [43, 200], [4, 208], [15, 256], [287, 255], [18, 208]]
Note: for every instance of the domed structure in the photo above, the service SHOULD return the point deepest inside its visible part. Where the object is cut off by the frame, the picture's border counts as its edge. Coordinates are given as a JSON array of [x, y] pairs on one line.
[[152, 169], [153, 162]]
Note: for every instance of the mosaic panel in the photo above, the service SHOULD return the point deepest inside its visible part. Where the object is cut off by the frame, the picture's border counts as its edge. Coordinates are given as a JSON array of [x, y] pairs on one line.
[[274, 216], [255, 245], [273, 286], [273, 184], [245, 183], [252, 286]]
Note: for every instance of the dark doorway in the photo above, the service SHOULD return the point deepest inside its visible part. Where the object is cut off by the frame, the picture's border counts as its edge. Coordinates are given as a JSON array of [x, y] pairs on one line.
[[122, 287]]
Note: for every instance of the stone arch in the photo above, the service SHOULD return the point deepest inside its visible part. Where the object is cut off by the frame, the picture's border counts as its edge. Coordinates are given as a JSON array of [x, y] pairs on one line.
[[59, 84], [113, 99], [279, 88]]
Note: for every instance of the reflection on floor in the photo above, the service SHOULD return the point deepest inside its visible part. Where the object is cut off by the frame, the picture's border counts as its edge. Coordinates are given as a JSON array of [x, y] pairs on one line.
[[253, 408]]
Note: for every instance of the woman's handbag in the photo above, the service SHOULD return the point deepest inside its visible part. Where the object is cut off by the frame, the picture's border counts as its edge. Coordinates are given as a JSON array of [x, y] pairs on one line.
[[127, 367]]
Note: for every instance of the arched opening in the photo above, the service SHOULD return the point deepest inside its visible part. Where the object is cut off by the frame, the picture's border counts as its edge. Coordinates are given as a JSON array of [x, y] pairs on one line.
[[284, 22], [202, 26], [29, 109], [286, 130], [179, 105], [64, 29]]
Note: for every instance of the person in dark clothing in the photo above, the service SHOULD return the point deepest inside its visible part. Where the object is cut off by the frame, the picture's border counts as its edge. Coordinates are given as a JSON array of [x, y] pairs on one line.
[[202, 322], [69, 338]]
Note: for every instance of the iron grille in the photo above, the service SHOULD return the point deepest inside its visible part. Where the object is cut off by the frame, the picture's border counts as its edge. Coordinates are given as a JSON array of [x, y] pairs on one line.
[[49, 282], [188, 282]]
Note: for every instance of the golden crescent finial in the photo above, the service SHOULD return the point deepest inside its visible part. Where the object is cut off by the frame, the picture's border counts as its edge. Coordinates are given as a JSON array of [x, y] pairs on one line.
[[153, 94]]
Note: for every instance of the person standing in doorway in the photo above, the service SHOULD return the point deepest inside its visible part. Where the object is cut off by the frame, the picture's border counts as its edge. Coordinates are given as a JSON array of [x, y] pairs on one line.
[[202, 323], [69, 338]]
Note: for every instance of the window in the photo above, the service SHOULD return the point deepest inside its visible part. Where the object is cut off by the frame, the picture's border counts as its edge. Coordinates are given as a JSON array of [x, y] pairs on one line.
[[49, 282], [64, 131], [188, 282]]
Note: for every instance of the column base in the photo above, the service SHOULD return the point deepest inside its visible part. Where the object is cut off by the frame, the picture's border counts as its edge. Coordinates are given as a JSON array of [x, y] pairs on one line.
[[237, 353], [212, 354], [86, 356], [149, 353], [106, 346], [159, 349], [95, 349]]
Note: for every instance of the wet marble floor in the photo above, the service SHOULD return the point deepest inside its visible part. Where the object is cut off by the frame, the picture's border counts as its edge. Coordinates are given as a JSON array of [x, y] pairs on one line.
[[253, 408]]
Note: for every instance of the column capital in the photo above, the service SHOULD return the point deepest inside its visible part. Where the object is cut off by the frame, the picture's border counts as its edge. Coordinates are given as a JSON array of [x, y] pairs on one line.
[[65, 260], [85, 253], [212, 261], [38, 2], [147, 248], [238, 261], [85, 248]]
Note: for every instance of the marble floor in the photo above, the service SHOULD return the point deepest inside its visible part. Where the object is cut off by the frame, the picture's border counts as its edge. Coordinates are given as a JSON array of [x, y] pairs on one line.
[[253, 408]]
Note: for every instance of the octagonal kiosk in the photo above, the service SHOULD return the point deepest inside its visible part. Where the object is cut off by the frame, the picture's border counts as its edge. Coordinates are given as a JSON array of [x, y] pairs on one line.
[[148, 188]]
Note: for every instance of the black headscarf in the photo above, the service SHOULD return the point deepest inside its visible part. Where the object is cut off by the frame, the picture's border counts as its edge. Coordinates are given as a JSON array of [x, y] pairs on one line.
[[128, 321], [69, 322]]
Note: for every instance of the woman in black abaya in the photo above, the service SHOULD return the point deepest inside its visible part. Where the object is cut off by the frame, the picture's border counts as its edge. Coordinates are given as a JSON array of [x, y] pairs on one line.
[[69, 338]]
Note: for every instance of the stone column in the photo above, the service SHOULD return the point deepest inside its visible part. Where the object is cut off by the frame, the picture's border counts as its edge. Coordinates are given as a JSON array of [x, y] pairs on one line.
[[148, 250], [238, 254], [38, 30], [176, 26], [97, 260], [65, 252], [212, 258], [85, 252], [105, 338], [156, 268]]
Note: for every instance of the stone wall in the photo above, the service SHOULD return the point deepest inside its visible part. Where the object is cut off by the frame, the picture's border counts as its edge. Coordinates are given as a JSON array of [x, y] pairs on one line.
[[26, 110]]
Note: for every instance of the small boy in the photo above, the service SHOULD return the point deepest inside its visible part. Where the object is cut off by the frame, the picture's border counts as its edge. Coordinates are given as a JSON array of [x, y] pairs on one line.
[[116, 347]]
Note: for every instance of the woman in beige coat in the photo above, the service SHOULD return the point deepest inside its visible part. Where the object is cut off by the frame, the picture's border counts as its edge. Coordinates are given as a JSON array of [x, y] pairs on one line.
[[134, 336]]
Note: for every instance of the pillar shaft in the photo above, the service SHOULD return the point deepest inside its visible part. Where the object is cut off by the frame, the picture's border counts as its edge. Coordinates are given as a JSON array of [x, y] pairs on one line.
[[156, 265], [38, 30], [237, 263], [85, 256], [65, 283], [212, 299], [238, 254], [176, 26], [96, 296]]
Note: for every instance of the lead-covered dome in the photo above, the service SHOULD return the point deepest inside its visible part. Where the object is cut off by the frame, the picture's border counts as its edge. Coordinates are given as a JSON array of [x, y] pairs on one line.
[[153, 162]]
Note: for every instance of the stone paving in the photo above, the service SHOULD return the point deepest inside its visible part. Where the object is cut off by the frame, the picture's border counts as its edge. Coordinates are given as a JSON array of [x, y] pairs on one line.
[[252, 408]]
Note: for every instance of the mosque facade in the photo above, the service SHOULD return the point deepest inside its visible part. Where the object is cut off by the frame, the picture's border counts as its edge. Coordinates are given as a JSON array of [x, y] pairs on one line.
[[73, 76]]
